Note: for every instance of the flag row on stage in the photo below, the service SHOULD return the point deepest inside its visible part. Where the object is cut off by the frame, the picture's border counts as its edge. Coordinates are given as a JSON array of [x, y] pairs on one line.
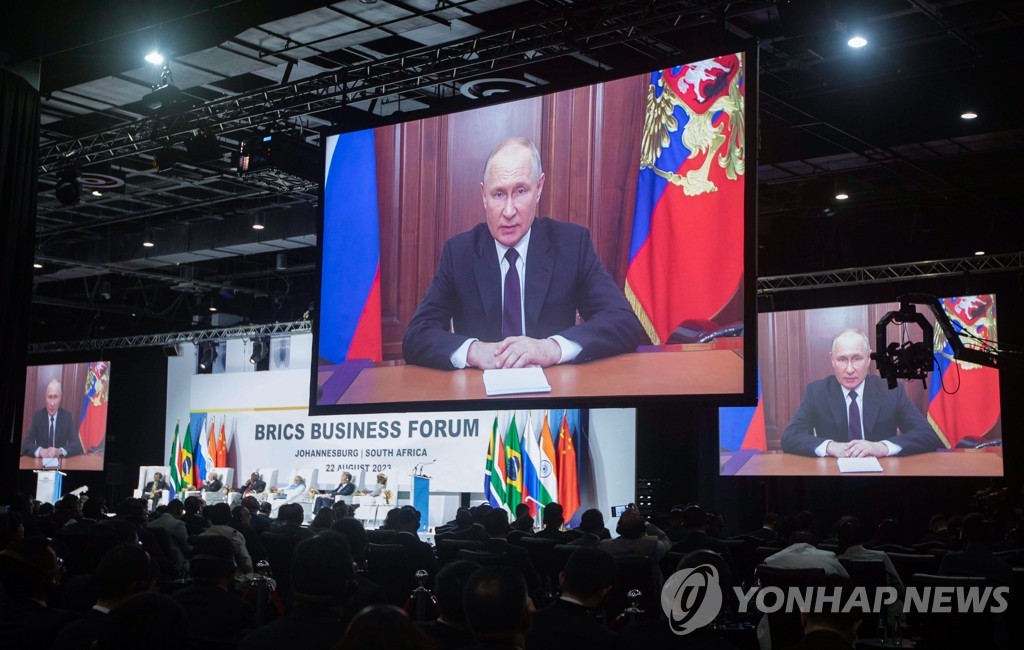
[[190, 461], [534, 468]]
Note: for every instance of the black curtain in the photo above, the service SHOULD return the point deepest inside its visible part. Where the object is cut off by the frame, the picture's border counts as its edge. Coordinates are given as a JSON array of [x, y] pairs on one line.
[[19, 140]]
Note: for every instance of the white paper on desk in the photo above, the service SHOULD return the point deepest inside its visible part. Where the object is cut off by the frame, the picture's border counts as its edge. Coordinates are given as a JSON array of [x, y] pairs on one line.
[[510, 381], [866, 464]]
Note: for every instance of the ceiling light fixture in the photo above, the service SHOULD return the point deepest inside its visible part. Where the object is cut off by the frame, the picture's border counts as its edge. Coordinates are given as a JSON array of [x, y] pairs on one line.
[[37, 265], [857, 42], [96, 193], [258, 222], [968, 115], [979, 252], [155, 58], [842, 196], [148, 240]]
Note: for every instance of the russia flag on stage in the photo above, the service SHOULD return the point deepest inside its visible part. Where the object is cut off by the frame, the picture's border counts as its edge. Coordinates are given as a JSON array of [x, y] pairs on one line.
[[686, 250], [350, 316], [964, 397]]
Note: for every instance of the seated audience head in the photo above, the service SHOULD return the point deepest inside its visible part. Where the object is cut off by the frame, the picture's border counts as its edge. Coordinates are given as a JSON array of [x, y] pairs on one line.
[[524, 523], [675, 516], [522, 509], [937, 523], [240, 516], [220, 514], [213, 560], [252, 504], [588, 576], [771, 520], [977, 530], [322, 572], [29, 568], [496, 523], [592, 521], [449, 586], [175, 508], [291, 514], [323, 519], [94, 508], [391, 520], [497, 604], [463, 518], [480, 513], [631, 525], [354, 532], [383, 627], [850, 533], [266, 508], [341, 510], [193, 505], [133, 510], [553, 516], [124, 570], [694, 518], [696, 558], [408, 519], [138, 618]]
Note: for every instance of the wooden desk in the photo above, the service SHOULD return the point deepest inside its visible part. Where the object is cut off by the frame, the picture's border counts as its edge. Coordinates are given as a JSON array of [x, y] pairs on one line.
[[953, 462], [92, 462], [689, 370]]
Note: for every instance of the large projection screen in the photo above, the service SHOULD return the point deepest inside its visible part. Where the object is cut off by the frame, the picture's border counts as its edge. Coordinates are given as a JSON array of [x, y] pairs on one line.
[[65, 416], [656, 167], [950, 425]]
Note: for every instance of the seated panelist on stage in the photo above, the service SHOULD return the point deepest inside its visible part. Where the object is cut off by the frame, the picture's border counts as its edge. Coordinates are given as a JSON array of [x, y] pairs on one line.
[[212, 484], [51, 434], [507, 293], [326, 498], [254, 485], [154, 490], [378, 489], [298, 486], [852, 414]]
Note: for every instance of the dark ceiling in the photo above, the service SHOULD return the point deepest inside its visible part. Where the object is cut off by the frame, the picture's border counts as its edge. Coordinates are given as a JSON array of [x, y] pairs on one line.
[[883, 122]]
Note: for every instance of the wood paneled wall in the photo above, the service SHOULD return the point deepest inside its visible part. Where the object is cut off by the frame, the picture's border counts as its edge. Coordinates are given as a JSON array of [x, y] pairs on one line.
[[429, 174], [794, 351]]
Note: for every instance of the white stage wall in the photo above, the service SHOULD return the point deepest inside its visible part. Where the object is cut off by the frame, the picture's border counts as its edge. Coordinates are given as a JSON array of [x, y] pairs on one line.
[[267, 424]]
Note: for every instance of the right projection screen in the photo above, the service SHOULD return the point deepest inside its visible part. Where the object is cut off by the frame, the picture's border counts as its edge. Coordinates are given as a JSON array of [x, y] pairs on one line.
[[951, 427]]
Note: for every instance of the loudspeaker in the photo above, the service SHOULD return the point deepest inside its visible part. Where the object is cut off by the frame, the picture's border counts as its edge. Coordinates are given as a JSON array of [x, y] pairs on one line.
[[171, 350], [115, 473]]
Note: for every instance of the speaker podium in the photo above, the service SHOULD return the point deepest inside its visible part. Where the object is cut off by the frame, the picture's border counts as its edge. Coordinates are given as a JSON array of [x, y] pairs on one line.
[[48, 484], [421, 499]]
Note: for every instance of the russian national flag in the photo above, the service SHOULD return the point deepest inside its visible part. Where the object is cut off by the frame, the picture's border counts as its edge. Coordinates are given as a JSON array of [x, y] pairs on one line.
[[350, 317], [964, 397], [686, 250], [742, 427]]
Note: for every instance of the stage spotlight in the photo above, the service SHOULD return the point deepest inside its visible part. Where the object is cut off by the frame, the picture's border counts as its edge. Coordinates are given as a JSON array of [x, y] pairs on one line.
[[207, 356], [155, 58], [857, 42], [259, 351], [68, 190]]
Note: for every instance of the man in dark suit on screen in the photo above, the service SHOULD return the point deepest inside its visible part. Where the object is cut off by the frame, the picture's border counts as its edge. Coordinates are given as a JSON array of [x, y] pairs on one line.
[[51, 434], [507, 293], [852, 414]]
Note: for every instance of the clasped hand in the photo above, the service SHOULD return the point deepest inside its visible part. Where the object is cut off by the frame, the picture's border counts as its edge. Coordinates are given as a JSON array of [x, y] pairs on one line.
[[50, 452], [856, 449], [514, 352]]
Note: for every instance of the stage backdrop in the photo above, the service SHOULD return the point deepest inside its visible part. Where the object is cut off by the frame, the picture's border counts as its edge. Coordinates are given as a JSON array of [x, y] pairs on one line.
[[266, 426]]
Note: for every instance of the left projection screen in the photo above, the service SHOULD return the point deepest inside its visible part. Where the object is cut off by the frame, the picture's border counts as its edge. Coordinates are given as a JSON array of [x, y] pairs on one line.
[[65, 416]]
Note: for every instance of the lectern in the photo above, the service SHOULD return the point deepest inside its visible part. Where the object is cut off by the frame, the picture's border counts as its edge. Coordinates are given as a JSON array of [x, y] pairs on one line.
[[421, 499], [48, 482]]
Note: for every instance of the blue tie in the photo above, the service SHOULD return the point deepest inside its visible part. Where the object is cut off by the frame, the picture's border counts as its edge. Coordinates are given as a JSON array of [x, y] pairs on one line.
[[855, 431], [512, 311]]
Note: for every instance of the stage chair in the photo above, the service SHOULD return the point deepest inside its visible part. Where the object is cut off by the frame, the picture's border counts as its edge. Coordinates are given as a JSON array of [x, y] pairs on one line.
[[227, 476], [146, 473]]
